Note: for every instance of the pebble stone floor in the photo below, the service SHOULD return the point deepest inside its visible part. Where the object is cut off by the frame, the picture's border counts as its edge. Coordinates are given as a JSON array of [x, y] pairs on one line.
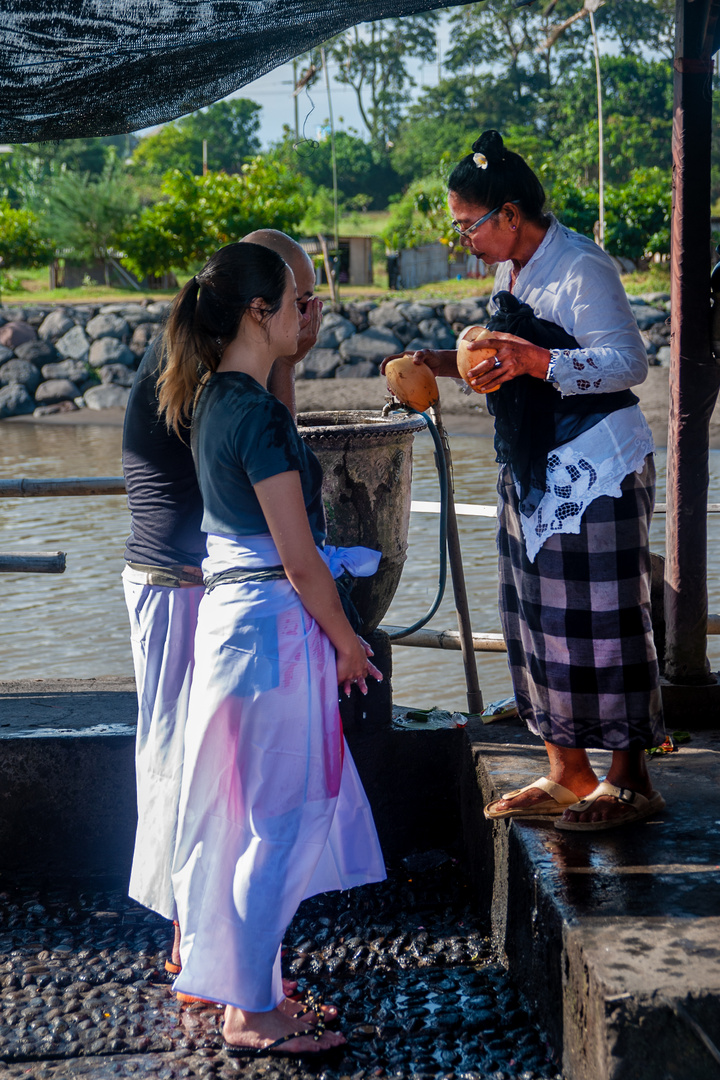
[[83, 992]]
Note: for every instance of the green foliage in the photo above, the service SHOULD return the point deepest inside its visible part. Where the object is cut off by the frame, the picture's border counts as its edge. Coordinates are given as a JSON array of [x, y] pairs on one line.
[[361, 170], [421, 216], [27, 170], [84, 216], [229, 127], [639, 214], [199, 214], [21, 242]]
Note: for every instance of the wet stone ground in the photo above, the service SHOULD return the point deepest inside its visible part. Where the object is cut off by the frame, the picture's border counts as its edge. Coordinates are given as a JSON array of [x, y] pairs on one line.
[[83, 992]]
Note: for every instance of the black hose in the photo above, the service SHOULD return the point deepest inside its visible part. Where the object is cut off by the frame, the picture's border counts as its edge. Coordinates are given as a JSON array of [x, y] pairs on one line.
[[442, 537]]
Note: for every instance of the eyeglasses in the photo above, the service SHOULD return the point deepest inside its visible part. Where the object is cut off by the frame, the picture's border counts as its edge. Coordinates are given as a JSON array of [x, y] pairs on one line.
[[480, 221]]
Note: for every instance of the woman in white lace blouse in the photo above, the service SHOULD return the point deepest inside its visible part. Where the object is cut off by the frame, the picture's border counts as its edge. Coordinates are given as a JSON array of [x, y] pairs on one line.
[[576, 495]]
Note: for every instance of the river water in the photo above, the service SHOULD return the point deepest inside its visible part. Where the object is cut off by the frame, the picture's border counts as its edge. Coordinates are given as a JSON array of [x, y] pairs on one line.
[[75, 625]]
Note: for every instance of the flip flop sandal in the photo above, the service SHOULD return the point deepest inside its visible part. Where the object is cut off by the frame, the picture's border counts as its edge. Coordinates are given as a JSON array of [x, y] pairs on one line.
[[273, 1048], [188, 999], [312, 1003], [172, 969], [639, 807], [560, 798]]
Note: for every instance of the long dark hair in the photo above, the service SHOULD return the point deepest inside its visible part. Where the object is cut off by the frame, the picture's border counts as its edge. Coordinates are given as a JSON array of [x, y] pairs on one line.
[[492, 176], [205, 317]]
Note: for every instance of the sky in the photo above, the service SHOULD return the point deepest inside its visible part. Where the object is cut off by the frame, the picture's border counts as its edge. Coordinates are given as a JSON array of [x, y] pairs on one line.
[[274, 92]]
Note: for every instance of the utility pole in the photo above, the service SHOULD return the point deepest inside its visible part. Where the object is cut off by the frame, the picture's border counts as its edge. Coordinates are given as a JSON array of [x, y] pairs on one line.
[[295, 101], [333, 155]]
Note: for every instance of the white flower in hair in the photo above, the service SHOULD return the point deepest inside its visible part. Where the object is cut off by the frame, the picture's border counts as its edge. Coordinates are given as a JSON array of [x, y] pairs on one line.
[[480, 160]]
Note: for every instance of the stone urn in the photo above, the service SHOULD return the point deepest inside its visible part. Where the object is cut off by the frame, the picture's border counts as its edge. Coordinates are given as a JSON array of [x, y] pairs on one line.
[[366, 460]]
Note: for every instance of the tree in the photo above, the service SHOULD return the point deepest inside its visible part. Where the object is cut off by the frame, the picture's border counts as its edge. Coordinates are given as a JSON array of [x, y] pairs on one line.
[[229, 127], [199, 214], [84, 216], [31, 166], [22, 244], [360, 169], [421, 216], [372, 59]]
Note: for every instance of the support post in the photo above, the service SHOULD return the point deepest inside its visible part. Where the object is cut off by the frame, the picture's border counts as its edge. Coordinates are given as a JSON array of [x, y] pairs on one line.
[[694, 373]]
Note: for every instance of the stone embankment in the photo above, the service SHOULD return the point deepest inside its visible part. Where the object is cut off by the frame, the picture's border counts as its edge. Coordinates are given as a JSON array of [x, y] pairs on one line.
[[61, 358]]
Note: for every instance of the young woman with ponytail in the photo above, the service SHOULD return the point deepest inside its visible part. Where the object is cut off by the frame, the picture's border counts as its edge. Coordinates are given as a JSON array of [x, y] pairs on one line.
[[576, 486], [271, 807]]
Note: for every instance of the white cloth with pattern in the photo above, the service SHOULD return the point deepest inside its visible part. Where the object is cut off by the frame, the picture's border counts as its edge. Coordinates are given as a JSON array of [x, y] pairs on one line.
[[573, 283]]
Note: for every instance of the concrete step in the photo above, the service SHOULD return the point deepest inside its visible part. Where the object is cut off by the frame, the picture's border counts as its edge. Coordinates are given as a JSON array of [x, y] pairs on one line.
[[615, 936]]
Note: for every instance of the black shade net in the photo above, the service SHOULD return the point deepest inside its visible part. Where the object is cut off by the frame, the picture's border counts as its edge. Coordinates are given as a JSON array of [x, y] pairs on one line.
[[102, 67]]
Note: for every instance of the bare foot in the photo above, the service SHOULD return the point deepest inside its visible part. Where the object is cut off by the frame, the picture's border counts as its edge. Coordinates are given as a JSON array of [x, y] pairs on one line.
[[175, 954], [303, 1015], [259, 1030], [580, 786]]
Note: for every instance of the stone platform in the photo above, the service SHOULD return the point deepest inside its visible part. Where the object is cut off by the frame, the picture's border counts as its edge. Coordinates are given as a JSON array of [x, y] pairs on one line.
[[612, 939]]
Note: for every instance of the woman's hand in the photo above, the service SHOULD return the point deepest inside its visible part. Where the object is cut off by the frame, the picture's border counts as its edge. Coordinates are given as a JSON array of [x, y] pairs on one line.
[[440, 361], [372, 671], [352, 664], [513, 356]]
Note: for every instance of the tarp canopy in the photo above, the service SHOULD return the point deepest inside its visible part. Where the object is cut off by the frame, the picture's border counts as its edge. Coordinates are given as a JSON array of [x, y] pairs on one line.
[[76, 68]]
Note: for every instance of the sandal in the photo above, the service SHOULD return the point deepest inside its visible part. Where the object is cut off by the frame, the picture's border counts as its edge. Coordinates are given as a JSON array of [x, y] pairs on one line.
[[312, 1003], [273, 1047], [639, 807], [559, 799]]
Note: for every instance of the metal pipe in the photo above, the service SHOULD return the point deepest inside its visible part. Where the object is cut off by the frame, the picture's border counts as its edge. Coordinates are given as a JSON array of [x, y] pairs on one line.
[[32, 562], [474, 694]]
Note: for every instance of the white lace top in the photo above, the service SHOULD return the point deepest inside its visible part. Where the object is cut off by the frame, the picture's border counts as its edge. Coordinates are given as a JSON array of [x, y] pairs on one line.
[[574, 284]]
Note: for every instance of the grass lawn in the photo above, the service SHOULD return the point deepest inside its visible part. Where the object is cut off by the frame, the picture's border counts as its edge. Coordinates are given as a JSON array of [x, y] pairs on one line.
[[35, 285]]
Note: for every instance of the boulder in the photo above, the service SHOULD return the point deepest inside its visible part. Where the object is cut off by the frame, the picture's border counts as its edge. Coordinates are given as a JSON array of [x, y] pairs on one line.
[[5, 353], [662, 356], [363, 369], [37, 352], [35, 316], [656, 299], [54, 390], [388, 314], [416, 312], [321, 363], [645, 316], [437, 330], [15, 401], [21, 372], [358, 313], [467, 312], [160, 308], [83, 314], [16, 333], [109, 350], [659, 333], [334, 329], [75, 370], [142, 336], [107, 397], [108, 326], [116, 375], [373, 344], [420, 343], [133, 314], [74, 345], [405, 331], [54, 325], [58, 407]]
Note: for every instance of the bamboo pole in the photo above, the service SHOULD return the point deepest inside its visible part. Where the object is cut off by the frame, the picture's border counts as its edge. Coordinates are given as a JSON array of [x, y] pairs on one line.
[[32, 562], [474, 695], [68, 485]]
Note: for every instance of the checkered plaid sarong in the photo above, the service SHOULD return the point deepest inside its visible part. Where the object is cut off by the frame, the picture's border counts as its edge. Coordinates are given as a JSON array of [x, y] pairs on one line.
[[577, 622]]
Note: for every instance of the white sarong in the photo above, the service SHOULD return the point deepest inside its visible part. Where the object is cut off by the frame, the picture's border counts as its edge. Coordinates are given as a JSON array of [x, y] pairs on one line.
[[162, 634], [272, 809]]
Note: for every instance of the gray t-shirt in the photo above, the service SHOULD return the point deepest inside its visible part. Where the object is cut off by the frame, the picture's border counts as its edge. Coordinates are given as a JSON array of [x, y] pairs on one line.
[[241, 434]]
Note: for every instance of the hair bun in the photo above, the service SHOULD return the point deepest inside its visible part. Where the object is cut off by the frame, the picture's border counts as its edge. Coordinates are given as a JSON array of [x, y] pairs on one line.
[[491, 145]]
